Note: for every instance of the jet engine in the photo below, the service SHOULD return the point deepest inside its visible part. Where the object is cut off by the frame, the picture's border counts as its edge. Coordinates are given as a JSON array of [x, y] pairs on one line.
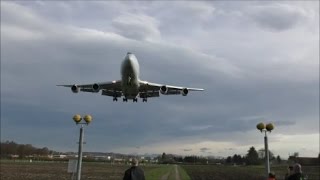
[[163, 89], [75, 88], [96, 87], [184, 91]]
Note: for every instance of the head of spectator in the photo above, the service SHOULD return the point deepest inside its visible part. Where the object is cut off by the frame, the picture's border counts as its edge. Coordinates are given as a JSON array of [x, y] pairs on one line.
[[135, 162], [297, 168]]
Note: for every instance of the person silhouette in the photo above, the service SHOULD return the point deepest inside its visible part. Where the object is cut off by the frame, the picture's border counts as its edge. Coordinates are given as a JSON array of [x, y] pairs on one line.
[[134, 172], [289, 172], [297, 173]]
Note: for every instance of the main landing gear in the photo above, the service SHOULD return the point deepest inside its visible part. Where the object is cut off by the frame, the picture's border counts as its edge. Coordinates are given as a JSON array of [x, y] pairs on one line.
[[133, 100]]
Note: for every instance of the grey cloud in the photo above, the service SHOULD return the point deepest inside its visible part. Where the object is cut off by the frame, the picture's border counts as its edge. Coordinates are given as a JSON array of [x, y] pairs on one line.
[[284, 123], [277, 17], [26, 17], [204, 149], [72, 12], [179, 18], [136, 26], [192, 9], [227, 111], [186, 150], [197, 128]]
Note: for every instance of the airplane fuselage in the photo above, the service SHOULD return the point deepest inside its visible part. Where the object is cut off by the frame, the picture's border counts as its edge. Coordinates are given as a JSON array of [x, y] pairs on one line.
[[130, 76]]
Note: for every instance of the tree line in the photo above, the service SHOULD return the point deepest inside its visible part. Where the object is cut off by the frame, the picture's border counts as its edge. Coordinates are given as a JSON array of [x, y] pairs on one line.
[[253, 157], [170, 158], [10, 148]]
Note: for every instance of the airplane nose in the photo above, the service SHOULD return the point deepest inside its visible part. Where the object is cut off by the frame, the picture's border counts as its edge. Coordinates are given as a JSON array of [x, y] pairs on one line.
[[128, 60], [130, 64]]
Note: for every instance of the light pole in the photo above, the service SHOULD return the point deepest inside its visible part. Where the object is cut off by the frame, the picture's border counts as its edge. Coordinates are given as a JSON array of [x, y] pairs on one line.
[[77, 119], [266, 128]]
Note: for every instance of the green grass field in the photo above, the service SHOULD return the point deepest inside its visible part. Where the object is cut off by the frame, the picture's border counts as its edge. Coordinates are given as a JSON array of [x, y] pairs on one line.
[[58, 171], [104, 171], [157, 172], [221, 172]]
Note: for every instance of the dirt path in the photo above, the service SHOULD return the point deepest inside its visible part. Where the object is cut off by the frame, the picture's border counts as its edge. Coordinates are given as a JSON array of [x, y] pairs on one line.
[[177, 172], [165, 177], [172, 173]]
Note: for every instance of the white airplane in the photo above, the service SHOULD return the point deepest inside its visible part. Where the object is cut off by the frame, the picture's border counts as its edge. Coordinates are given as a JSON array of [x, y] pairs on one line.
[[130, 86]]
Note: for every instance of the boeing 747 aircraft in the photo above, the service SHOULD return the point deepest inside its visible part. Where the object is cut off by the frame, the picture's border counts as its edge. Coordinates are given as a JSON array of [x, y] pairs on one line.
[[130, 86]]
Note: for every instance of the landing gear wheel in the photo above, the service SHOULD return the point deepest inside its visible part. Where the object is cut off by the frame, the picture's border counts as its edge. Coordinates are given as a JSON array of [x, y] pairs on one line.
[[135, 100], [115, 99], [144, 100], [125, 100]]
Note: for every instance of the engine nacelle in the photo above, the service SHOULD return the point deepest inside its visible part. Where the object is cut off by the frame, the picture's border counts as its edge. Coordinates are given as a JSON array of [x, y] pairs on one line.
[[163, 89], [96, 87], [184, 91], [75, 88]]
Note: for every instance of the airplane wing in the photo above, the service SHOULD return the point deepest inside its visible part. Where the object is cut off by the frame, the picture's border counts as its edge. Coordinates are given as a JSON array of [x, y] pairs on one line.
[[112, 88], [150, 88], [146, 89]]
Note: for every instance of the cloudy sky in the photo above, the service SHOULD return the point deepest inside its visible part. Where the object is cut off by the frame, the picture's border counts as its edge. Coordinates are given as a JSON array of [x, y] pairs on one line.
[[257, 61]]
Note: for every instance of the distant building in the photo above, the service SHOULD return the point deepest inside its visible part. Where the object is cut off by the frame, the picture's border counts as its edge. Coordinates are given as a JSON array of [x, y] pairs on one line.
[[118, 160], [14, 156], [154, 160], [61, 156], [97, 158]]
